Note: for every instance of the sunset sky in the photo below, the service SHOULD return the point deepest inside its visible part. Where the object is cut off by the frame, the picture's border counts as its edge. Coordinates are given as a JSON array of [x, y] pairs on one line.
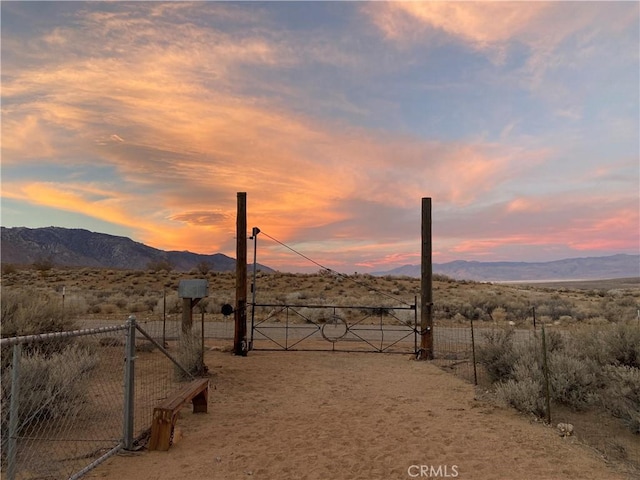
[[520, 120]]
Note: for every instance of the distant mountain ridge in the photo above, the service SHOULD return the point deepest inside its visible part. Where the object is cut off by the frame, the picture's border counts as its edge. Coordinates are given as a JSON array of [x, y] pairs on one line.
[[585, 268], [83, 248], [71, 247]]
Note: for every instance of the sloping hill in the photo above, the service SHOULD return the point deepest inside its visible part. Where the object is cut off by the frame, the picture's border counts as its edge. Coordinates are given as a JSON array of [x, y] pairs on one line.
[[82, 248]]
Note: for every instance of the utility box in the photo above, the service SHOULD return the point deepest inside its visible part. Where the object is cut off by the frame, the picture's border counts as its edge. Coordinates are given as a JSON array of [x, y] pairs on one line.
[[195, 288]]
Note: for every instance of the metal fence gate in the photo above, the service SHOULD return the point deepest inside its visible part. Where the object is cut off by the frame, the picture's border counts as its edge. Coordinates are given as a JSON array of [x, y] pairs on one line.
[[381, 329]]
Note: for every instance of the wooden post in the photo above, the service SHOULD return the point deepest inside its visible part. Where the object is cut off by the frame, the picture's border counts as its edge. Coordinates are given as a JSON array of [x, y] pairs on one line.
[[240, 333], [426, 298]]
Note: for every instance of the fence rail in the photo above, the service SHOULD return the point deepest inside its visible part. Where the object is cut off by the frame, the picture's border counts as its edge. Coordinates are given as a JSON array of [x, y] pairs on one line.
[[72, 399]]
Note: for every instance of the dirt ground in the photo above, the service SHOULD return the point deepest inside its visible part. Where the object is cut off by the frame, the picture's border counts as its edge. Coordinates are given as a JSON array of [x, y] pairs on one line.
[[332, 416]]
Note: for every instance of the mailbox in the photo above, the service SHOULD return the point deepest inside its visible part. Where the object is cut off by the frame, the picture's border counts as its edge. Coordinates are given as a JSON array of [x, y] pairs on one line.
[[193, 288]]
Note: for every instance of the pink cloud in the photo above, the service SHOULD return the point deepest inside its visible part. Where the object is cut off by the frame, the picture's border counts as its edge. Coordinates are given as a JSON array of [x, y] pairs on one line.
[[604, 224]]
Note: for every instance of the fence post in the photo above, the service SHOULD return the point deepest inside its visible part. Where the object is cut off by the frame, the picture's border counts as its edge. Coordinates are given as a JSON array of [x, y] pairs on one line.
[[164, 318], [545, 370], [14, 413], [129, 383], [473, 355]]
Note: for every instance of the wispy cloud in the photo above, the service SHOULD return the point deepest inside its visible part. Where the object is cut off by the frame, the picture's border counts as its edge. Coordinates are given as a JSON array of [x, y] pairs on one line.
[[486, 25]]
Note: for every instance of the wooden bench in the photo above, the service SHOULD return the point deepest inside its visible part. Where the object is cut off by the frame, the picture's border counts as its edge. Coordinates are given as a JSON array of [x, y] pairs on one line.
[[166, 414]]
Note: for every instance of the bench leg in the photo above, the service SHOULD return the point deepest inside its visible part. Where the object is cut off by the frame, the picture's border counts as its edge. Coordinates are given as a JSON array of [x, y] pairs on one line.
[[200, 401], [161, 429]]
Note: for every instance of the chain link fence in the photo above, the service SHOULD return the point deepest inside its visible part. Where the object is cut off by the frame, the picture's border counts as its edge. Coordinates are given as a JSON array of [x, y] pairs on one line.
[[586, 383], [72, 399]]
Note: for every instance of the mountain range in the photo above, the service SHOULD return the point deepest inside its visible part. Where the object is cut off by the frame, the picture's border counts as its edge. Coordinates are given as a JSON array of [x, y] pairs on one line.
[[586, 268], [82, 248], [67, 247]]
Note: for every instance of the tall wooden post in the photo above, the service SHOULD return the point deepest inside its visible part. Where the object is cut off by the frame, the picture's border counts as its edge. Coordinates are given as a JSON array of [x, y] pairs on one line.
[[426, 295], [240, 333]]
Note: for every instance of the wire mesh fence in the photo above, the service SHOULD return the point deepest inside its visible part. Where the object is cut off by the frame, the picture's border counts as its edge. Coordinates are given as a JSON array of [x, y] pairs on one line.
[[585, 383], [70, 400], [62, 401]]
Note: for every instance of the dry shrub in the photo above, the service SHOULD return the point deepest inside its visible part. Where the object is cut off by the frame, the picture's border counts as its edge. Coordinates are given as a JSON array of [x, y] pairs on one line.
[[51, 372], [190, 355], [314, 315], [9, 269], [136, 307], [623, 342], [589, 367], [459, 318], [119, 300], [525, 395], [170, 304], [293, 298], [107, 308], [52, 385], [161, 265], [499, 315], [405, 317], [150, 303], [43, 264], [76, 304], [574, 382], [497, 354], [521, 382], [214, 305], [27, 311], [621, 395], [617, 344]]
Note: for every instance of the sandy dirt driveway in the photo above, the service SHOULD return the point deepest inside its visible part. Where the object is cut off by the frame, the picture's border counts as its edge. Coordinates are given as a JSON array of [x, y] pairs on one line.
[[325, 416]]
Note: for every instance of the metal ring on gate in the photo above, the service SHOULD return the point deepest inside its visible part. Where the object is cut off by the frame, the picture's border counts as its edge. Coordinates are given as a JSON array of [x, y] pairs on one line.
[[339, 329]]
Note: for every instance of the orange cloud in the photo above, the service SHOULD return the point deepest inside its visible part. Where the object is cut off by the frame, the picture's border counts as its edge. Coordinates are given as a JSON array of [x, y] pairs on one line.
[[119, 209]]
